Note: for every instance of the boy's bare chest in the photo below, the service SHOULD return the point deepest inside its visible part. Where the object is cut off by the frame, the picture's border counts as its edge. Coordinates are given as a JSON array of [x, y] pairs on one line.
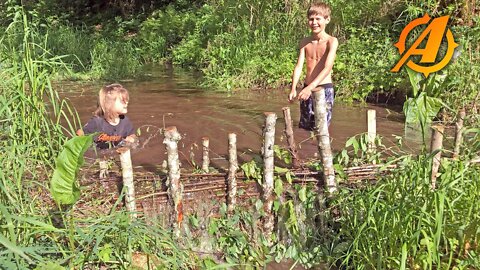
[[316, 50]]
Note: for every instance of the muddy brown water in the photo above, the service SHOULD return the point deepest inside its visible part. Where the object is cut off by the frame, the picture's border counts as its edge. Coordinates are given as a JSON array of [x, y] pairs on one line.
[[173, 98]]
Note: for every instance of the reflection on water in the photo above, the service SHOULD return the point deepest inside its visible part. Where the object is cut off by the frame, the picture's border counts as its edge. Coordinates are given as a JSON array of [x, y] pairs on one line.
[[166, 98]]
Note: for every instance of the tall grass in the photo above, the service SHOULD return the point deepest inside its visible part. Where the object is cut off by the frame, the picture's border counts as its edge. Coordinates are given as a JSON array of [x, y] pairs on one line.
[[31, 134], [401, 221], [93, 55]]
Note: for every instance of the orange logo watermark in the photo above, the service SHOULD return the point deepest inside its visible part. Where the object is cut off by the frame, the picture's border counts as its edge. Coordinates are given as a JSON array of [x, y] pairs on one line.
[[435, 31]]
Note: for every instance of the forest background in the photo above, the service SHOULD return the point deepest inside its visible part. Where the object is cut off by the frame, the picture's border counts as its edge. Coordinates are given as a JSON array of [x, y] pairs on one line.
[[247, 44]]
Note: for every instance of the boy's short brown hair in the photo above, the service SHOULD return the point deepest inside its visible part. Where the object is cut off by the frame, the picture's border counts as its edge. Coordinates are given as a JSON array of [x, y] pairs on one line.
[[320, 8]]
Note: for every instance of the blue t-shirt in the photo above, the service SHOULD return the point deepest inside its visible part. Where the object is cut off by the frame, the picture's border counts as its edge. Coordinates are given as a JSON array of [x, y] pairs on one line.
[[110, 135]]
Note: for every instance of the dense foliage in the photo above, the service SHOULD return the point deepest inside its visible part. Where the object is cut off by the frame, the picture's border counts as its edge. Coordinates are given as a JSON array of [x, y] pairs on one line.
[[245, 44]]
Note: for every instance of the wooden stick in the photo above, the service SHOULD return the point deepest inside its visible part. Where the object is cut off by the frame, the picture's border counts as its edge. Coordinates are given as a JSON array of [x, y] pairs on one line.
[[290, 138], [436, 145], [103, 164], [268, 177], [323, 138], [372, 131], [127, 177], [205, 157], [175, 187], [232, 170], [458, 132]]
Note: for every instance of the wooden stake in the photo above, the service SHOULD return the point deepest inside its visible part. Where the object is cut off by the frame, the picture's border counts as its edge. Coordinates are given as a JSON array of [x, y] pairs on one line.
[[268, 177], [458, 132], [232, 170], [175, 187], [103, 164], [127, 177], [437, 142], [290, 138], [372, 131], [323, 138], [205, 157]]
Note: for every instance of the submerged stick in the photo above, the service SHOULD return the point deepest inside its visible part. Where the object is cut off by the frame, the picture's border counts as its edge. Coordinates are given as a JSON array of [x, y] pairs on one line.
[[232, 169], [205, 157], [268, 177], [323, 138], [372, 131], [175, 187], [436, 145], [127, 177], [458, 132], [290, 138]]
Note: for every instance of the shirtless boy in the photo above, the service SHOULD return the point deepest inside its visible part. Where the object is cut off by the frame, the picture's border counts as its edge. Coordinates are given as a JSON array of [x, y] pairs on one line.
[[319, 50]]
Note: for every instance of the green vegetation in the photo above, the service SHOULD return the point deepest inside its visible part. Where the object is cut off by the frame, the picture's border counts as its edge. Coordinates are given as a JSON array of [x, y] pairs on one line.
[[246, 44]]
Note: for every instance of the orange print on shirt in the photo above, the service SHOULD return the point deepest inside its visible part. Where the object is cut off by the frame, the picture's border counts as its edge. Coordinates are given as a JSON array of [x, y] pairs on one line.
[[109, 138]]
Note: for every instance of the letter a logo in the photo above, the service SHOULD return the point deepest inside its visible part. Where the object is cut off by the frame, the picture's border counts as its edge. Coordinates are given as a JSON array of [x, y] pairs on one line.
[[435, 31]]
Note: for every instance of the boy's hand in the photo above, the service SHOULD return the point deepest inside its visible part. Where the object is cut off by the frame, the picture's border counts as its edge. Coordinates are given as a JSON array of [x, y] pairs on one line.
[[131, 139], [292, 95], [304, 94]]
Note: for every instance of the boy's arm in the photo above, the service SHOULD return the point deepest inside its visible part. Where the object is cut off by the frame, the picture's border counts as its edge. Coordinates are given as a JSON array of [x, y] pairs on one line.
[[297, 72], [332, 52], [131, 138], [90, 127]]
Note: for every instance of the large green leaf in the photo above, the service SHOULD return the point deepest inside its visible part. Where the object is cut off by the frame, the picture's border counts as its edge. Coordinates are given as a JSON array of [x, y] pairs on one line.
[[415, 79], [421, 109], [64, 187]]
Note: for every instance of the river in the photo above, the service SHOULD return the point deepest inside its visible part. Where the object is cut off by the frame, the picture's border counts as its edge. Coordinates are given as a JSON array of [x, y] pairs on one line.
[[166, 97]]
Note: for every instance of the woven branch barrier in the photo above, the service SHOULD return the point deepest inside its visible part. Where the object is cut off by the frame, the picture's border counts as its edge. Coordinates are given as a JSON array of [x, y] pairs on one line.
[[175, 193]]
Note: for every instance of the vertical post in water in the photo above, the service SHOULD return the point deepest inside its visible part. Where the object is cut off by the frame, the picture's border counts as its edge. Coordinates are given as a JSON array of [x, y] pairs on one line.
[[371, 131], [323, 138], [458, 132], [127, 177], [268, 178], [290, 138], [175, 187], [205, 157], [232, 170], [436, 145]]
